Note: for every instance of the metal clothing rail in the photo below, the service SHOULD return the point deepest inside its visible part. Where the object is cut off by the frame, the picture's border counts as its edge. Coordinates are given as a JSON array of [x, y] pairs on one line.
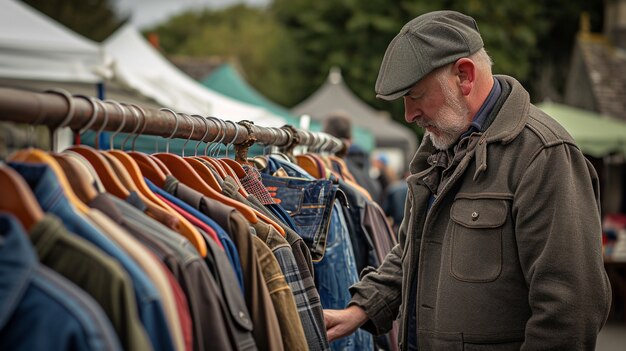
[[58, 108]]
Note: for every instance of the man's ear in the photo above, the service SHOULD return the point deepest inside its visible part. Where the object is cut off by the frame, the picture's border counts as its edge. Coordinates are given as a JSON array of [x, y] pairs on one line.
[[465, 70]]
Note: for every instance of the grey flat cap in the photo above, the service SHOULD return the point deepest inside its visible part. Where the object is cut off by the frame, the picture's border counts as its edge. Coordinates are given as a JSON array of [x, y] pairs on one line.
[[427, 42]]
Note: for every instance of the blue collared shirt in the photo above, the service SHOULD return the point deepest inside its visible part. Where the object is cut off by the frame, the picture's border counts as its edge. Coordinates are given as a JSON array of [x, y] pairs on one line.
[[478, 122], [40, 304], [51, 197]]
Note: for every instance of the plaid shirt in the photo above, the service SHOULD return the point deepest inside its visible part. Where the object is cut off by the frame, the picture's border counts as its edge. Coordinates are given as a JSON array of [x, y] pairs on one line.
[[253, 185], [305, 295]]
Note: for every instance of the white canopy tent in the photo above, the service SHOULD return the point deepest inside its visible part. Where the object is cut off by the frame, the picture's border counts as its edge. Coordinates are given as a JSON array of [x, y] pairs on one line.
[[139, 66], [35, 47]]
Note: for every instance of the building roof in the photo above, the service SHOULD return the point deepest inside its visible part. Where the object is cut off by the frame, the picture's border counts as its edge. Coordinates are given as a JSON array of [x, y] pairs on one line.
[[605, 66]]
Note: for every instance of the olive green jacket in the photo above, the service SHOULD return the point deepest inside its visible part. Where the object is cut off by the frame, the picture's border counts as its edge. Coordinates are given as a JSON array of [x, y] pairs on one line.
[[509, 255]]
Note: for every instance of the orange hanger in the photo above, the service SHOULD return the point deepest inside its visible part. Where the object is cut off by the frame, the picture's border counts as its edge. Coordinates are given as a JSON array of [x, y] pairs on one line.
[[188, 176], [18, 199], [309, 165], [186, 228], [78, 177], [203, 171], [216, 165], [154, 210], [38, 156]]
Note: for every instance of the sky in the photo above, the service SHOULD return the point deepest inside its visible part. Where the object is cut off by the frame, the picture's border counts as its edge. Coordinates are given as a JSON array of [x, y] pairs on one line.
[[146, 13]]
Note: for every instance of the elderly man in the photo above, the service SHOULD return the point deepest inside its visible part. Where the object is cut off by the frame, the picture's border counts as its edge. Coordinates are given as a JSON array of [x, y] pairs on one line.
[[500, 244]]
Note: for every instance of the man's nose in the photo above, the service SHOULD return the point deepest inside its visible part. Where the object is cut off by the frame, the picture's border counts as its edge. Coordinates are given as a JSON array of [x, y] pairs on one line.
[[411, 111]]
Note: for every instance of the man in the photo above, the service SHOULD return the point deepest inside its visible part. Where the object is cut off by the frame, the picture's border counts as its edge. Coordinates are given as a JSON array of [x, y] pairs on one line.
[[500, 245], [339, 125]]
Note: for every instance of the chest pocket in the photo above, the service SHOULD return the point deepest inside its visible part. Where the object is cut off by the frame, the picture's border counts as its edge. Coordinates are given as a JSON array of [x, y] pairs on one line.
[[476, 244]]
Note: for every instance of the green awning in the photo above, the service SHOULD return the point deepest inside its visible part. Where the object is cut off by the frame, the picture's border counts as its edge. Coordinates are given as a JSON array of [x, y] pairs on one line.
[[226, 80], [595, 134]]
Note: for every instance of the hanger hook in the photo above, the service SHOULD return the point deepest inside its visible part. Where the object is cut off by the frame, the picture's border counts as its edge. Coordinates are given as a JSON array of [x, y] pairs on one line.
[[193, 127], [123, 111], [221, 143], [143, 125], [94, 108], [232, 142], [137, 125], [104, 122], [167, 143], [68, 117], [206, 132], [216, 143], [217, 135]]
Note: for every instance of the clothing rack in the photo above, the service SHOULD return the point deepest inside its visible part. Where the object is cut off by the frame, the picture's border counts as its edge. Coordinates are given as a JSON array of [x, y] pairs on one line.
[[58, 108]]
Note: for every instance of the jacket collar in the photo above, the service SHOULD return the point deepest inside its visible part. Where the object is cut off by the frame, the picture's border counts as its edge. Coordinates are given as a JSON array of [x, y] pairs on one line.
[[17, 265], [506, 126]]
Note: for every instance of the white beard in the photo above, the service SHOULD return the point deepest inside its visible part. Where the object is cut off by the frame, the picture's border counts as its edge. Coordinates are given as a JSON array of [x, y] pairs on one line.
[[450, 121]]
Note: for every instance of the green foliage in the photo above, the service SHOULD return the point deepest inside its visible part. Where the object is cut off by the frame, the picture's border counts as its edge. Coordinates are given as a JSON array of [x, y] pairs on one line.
[[264, 48], [287, 49], [94, 19]]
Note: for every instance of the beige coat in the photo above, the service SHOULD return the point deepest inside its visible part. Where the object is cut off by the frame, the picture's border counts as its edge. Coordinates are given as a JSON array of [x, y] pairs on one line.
[[509, 255]]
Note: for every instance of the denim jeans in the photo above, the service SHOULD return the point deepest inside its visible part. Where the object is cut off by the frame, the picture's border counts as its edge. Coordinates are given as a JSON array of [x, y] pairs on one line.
[[309, 203], [335, 274]]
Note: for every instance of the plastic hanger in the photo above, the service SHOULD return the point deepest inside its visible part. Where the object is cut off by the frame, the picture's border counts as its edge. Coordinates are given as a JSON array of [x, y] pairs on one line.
[[106, 174], [188, 176], [18, 199], [38, 156]]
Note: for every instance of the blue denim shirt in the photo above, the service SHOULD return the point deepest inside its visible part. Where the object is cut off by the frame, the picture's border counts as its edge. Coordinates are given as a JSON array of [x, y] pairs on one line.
[[336, 271], [38, 307], [51, 197], [333, 277], [229, 247]]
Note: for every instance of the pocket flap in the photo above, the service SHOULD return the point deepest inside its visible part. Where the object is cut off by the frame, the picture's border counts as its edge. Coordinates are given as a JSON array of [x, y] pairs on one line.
[[479, 213]]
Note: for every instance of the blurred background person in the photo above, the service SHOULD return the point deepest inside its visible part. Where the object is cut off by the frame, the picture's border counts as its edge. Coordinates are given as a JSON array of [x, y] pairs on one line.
[[357, 159]]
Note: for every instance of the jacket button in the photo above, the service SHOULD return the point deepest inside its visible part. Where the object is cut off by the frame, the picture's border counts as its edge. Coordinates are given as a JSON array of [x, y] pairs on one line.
[[475, 216]]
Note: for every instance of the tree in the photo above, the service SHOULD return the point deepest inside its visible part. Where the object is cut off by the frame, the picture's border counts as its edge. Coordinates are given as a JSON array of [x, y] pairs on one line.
[[263, 48], [94, 19]]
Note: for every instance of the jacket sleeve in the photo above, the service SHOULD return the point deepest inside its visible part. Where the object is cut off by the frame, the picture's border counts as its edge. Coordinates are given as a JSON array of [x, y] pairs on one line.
[[558, 232], [379, 292]]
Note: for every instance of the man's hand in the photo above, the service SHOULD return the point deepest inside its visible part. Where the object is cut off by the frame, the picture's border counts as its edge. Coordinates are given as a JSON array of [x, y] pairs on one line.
[[341, 323]]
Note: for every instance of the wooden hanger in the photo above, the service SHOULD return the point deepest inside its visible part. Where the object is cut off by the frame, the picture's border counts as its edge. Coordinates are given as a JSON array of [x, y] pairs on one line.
[[186, 228], [38, 156], [78, 177], [188, 176], [18, 199]]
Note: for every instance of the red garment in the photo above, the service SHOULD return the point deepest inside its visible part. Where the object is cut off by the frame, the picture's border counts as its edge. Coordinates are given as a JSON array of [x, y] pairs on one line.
[[195, 221], [184, 316]]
